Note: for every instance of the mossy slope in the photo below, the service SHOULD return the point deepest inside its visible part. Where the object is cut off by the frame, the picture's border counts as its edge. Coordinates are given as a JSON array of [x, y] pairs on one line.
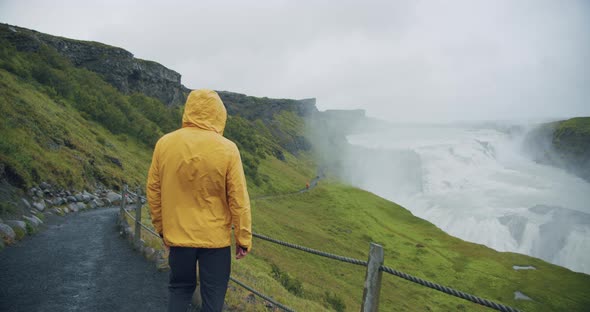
[[344, 220]]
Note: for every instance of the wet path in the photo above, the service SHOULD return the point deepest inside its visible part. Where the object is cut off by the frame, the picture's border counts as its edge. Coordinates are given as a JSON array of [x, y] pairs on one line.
[[79, 263]]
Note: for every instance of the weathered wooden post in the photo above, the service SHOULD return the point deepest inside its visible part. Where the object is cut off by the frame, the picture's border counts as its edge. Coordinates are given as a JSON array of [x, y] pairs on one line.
[[138, 219], [123, 203], [373, 279]]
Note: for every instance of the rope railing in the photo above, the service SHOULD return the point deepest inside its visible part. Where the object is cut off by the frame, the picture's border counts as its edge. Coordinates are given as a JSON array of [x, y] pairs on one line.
[[261, 295], [417, 280], [448, 290], [312, 251], [143, 225]]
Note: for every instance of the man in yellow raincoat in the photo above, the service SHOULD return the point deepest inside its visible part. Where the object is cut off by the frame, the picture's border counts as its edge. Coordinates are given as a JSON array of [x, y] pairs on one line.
[[196, 190]]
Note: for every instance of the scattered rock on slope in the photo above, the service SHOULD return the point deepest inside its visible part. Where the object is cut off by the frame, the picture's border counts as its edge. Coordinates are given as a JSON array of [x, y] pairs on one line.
[[7, 233]]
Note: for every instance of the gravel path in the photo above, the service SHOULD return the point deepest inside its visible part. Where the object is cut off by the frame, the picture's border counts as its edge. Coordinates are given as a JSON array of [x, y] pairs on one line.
[[79, 263]]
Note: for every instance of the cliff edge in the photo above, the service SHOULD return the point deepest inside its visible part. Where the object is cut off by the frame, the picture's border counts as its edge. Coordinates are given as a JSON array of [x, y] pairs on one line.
[[116, 66]]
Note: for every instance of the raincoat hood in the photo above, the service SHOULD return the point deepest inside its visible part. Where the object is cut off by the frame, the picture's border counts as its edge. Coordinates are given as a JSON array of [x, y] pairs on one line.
[[205, 110]]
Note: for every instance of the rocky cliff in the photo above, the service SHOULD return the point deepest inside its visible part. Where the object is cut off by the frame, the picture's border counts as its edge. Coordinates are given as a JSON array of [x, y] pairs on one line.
[[284, 119], [117, 66], [264, 108], [564, 144]]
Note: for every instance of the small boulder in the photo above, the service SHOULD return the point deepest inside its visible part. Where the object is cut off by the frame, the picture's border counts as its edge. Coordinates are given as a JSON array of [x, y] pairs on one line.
[[520, 296], [40, 205], [79, 197], [93, 204], [149, 253], [45, 185], [7, 234], [19, 227], [39, 193], [86, 198], [32, 227], [91, 196], [59, 201], [26, 203], [48, 203], [38, 219], [16, 224], [81, 206], [114, 198], [71, 199], [73, 207], [38, 215], [99, 202], [33, 221]]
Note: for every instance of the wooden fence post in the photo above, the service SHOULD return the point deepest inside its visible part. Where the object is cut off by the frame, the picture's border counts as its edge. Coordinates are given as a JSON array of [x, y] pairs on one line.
[[373, 279], [138, 219], [123, 203]]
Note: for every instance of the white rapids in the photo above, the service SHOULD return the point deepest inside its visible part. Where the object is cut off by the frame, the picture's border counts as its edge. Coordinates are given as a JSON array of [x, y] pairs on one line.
[[477, 184]]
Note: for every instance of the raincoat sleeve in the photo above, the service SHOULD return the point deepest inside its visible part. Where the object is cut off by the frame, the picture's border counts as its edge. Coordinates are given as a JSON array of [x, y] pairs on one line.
[[239, 201], [154, 193]]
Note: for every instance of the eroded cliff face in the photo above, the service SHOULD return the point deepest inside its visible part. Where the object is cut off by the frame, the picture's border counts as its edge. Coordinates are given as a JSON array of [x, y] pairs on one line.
[[117, 66], [253, 108], [564, 144]]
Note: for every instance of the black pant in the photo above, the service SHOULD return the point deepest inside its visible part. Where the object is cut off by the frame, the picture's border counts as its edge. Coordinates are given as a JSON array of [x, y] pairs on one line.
[[214, 270]]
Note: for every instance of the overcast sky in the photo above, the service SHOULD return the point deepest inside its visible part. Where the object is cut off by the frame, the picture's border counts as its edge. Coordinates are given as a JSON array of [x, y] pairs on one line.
[[400, 60]]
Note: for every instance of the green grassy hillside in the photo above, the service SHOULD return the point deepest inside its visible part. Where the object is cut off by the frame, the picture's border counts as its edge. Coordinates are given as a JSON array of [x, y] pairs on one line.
[[48, 140], [579, 125], [67, 126], [344, 220]]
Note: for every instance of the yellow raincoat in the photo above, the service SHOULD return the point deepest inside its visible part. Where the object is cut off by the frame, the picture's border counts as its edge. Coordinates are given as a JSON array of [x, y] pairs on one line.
[[196, 187]]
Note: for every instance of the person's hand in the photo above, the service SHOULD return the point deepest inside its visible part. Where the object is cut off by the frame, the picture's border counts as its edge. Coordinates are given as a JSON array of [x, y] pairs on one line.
[[166, 247], [241, 252]]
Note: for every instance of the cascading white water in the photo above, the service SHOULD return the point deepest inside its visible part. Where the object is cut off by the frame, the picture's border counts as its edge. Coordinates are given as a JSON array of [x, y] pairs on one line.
[[478, 185]]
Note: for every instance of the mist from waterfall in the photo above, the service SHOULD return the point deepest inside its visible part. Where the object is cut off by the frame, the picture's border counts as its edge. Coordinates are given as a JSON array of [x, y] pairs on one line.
[[477, 183]]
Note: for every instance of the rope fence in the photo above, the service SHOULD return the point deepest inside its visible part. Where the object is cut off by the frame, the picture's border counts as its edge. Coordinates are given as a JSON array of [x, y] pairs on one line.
[[380, 268], [417, 280], [312, 251], [261, 295], [145, 227], [448, 290]]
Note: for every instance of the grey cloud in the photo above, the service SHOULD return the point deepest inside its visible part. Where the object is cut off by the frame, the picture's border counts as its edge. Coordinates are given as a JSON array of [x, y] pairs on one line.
[[400, 60]]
